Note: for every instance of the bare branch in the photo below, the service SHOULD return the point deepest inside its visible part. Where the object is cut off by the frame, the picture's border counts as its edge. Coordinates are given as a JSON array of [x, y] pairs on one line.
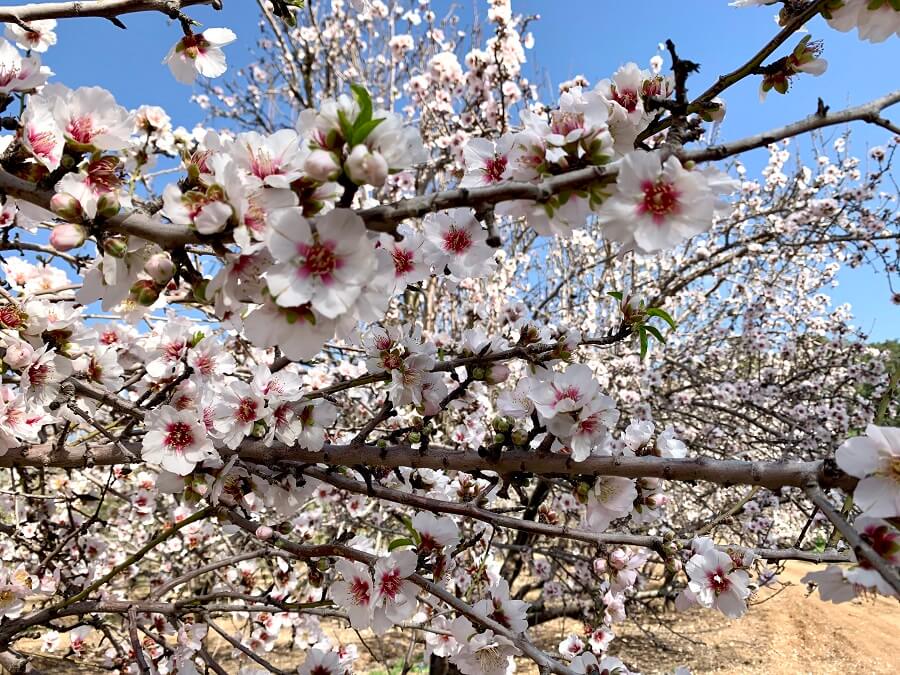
[[104, 9]]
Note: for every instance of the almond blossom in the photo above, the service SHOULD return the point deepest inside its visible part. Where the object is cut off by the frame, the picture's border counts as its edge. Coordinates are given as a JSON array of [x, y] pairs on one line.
[[455, 241], [38, 37], [325, 267], [18, 74], [875, 460], [715, 583], [199, 54], [657, 204], [394, 597], [175, 440]]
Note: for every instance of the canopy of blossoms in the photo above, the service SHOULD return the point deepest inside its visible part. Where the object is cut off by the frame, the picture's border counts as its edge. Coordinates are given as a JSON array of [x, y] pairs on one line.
[[400, 341]]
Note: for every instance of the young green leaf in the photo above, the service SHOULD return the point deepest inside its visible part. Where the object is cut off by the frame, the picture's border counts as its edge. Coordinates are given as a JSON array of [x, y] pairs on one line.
[[655, 333], [664, 315], [361, 131], [398, 543], [365, 104], [615, 294], [642, 334]]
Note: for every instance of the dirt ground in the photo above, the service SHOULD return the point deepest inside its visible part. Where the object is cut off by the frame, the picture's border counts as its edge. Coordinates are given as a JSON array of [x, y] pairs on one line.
[[786, 634]]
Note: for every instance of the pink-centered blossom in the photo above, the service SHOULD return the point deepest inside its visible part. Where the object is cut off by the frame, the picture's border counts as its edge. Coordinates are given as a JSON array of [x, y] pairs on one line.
[[175, 440], [200, 54]]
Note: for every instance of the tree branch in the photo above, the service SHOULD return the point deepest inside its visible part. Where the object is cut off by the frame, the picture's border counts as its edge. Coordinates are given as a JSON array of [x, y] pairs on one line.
[[105, 9], [860, 546], [772, 475]]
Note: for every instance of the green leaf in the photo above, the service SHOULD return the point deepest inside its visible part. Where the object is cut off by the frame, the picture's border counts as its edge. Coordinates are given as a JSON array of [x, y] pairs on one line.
[[615, 294], [344, 123], [398, 543], [361, 131], [643, 336], [664, 315], [415, 536], [365, 104], [655, 333]]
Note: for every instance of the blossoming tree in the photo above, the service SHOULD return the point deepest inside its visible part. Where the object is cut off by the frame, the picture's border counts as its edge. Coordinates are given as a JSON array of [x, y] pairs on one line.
[[398, 341]]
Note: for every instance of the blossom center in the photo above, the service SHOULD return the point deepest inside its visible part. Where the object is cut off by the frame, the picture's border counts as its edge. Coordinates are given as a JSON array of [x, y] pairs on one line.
[[660, 199], [42, 142], [718, 581], [262, 165], [457, 240], [494, 169], [81, 129], [319, 260], [179, 436], [359, 589], [627, 98], [564, 123], [390, 583], [403, 261], [568, 393], [246, 411]]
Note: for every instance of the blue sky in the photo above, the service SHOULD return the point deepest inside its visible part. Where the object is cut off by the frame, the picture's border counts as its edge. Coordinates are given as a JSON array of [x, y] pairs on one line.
[[589, 37]]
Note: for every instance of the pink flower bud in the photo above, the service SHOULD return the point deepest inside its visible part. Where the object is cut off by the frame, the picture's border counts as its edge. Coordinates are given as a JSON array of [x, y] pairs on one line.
[[618, 558], [497, 374], [67, 236], [655, 500], [18, 355], [599, 565], [144, 292], [264, 532], [160, 267], [66, 206], [366, 167], [108, 205], [322, 166]]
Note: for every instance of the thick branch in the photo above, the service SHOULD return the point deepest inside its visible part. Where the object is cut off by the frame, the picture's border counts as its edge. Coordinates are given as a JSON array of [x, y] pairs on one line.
[[104, 9], [772, 475]]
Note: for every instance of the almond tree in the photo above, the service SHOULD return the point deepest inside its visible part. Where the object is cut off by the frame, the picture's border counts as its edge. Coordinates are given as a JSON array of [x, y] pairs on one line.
[[401, 342]]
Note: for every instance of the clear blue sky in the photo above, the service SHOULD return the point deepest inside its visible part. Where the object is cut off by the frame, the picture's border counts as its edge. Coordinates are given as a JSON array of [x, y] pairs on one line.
[[590, 37]]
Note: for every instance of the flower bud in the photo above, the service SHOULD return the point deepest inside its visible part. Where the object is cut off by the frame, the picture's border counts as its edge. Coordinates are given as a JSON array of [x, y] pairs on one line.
[[285, 527], [366, 167], [519, 437], [599, 565], [618, 558], [66, 206], [67, 236], [144, 292], [414, 437], [108, 205], [117, 247], [582, 492], [322, 166], [655, 500], [160, 268], [18, 354], [499, 439], [497, 374], [478, 373], [649, 483], [673, 565], [264, 532], [500, 424]]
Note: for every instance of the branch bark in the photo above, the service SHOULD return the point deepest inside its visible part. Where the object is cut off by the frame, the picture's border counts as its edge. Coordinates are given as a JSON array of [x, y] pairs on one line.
[[105, 9], [772, 475]]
